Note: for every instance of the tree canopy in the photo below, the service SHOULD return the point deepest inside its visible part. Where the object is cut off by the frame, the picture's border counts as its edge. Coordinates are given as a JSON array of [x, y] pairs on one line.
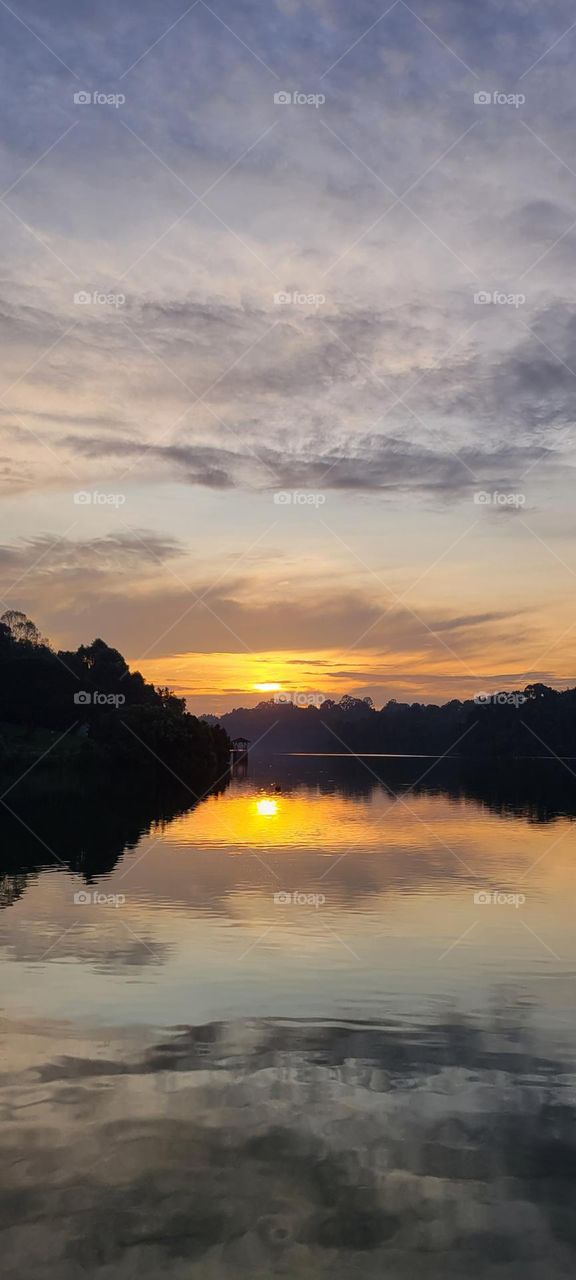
[[534, 721], [91, 693]]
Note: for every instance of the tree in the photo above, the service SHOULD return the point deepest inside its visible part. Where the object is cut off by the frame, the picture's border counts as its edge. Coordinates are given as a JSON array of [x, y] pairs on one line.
[[22, 630], [535, 692], [105, 666], [123, 717]]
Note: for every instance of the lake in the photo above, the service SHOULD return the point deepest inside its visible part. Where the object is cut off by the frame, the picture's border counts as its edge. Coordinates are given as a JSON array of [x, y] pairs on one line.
[[320, 1023]]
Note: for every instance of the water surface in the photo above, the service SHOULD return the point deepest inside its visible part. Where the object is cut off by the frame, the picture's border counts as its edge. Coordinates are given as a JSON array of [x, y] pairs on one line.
[[321, 1022]]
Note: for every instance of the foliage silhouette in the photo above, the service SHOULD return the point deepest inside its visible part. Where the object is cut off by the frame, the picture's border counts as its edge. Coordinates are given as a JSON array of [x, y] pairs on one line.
[[535, 721], [86, 709]]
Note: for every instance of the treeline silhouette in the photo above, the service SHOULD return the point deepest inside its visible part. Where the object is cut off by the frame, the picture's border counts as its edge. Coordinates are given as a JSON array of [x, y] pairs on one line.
[[86, 708], [534, 721]]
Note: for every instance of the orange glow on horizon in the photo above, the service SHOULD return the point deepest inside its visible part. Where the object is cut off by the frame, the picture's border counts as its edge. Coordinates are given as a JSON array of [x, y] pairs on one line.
[[218, 681]]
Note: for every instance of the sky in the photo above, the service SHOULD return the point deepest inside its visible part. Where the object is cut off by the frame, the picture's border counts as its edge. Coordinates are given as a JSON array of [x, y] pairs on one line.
[[287, 310]]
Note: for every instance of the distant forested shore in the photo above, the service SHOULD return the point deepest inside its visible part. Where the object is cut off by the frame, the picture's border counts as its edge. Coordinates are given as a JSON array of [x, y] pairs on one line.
[[83, 712], [530, 722]]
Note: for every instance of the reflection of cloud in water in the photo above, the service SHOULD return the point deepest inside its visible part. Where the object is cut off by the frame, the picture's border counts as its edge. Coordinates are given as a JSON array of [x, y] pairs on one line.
[[256, 1148], [108, 948]]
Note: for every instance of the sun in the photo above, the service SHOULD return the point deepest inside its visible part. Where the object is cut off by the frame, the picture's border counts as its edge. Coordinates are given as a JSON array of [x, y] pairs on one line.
[[268, 686]]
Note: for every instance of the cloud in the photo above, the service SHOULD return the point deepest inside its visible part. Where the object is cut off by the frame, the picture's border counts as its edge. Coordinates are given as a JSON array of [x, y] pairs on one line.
[[310, 399], [47, 557], [87, 589], [396, 202], [371, 463]]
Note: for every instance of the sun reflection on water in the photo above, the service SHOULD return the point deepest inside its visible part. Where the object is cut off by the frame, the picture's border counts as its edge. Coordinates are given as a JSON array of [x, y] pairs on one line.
[[267, 808]]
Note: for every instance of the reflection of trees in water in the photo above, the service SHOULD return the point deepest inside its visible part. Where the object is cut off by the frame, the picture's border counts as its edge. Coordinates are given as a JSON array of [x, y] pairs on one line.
[[86, 830], [537, 790], [261, 1147], [12, 887]]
